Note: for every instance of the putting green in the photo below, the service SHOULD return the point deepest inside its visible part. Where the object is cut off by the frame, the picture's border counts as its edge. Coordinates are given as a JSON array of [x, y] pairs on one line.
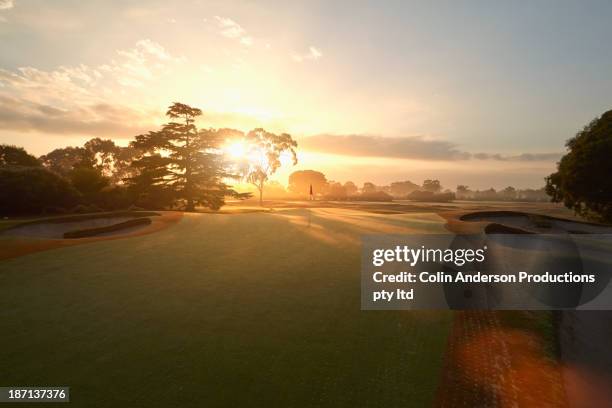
[[258, 309]]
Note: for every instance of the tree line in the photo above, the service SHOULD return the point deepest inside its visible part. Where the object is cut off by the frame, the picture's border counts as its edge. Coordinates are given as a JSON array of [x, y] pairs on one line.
[[179, 166], [429, 190]]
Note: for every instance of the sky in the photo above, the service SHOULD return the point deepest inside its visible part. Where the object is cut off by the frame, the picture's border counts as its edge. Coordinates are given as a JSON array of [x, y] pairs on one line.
[[470, 92]]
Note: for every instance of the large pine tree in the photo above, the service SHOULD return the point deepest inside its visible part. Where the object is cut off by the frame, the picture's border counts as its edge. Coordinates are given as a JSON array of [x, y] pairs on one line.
[[181, 163]]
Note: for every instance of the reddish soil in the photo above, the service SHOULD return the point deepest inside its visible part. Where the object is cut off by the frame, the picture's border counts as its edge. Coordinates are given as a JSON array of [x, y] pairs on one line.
[[490, 363]]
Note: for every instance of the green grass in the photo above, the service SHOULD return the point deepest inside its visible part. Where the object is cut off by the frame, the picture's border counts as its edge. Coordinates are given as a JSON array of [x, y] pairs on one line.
[[254, 310]]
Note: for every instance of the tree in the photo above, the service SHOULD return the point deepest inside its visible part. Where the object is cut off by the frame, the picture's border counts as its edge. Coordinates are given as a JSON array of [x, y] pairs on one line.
[[264, 151], [336, 191], [104, 155], [114, 162], [87, 180], [16, 156], [33, 190], [432, 186], [403, 188], [463, 191], [63, 160], [368, 188], [182, 162], [301, 180], [508, 193], [350, 188], [582, 179]]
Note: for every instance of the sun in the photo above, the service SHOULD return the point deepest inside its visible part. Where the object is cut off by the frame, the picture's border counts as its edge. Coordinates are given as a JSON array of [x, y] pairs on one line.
[[236, 149], [240, 151]]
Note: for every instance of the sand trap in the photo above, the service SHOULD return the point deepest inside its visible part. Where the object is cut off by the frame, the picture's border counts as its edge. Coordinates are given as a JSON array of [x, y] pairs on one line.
[[49, 230], [537, 223]]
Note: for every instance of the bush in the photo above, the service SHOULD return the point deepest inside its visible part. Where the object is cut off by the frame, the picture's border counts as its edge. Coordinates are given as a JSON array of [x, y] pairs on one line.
[[29, 190], [112, 198]]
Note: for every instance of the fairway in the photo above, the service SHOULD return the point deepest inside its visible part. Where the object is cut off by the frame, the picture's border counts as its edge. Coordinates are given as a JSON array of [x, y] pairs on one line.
[[254, 309]]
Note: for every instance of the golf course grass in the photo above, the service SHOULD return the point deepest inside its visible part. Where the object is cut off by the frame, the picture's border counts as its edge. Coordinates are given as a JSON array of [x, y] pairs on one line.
[[220, 310]]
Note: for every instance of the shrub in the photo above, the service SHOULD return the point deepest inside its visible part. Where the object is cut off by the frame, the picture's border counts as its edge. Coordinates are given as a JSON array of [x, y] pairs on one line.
[[112, 198], [29, 190]]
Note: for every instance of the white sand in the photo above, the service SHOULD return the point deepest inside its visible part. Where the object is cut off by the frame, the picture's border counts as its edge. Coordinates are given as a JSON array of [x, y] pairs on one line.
[[50, 230]]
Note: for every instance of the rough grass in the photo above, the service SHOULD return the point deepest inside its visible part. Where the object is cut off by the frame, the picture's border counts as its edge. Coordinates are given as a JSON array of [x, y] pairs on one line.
[[219, 311]]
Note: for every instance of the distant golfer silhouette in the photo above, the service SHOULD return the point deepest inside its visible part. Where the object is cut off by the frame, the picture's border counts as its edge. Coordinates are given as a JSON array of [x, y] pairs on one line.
[[311, 195]]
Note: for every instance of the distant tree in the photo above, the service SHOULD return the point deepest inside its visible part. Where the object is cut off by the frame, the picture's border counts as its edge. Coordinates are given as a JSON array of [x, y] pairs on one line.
[[16, 156], [508, 193], [368, 188], [275, 189], [350, 188], [489, 194], [265, 150], [403, 188], [463, 191], [336, 191], [530, 194], [34, 190], [182, 162], [301, 180], [582, 180], [432, 186]]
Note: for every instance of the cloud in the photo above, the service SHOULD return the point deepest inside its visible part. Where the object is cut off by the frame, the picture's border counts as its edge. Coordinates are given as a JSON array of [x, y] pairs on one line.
[[83, 99], [415, 147], [312, 54], [6, 4], [231, 29], [95, 120], [523, 157]]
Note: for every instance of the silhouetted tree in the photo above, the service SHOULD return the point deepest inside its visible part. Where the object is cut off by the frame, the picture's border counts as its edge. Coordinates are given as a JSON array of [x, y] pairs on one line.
[[33, 190], [350, 188], [582, 180], [88, 180], [265, 150], [368, 188], [114, 162], [301, 180], [182, 162], [336, 191], [402, 188], [432, 186], [64, 159], [508, 193], [463, 191], [16, 156]]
